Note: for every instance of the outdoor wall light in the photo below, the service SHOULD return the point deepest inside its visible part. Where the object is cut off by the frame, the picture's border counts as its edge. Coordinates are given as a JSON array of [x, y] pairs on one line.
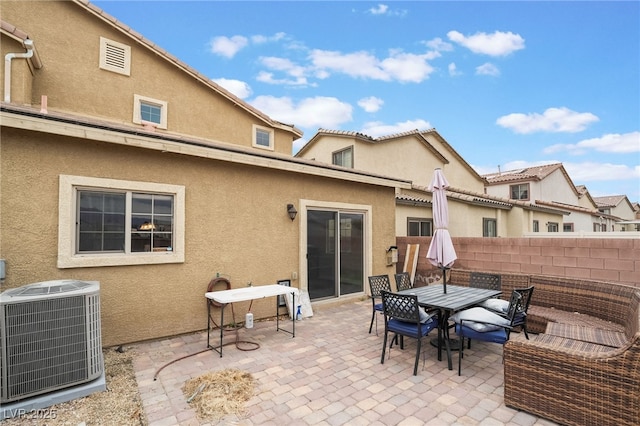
[[291, 211]]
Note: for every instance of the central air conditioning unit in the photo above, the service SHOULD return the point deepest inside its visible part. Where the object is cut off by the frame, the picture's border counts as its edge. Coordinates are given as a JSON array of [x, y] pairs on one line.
[[50, 338]]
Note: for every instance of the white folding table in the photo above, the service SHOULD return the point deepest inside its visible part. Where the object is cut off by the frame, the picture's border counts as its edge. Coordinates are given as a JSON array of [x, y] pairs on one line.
[[225, 297]]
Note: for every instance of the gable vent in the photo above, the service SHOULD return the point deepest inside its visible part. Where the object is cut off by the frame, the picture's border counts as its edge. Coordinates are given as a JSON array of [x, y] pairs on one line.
[[114, 56]]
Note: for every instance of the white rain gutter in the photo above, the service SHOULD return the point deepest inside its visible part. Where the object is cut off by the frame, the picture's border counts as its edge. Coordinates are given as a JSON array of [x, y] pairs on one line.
[[28, 44]]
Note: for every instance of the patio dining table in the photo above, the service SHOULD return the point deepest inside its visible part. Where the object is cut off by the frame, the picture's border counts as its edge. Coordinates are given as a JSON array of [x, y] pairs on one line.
[[455, 299]]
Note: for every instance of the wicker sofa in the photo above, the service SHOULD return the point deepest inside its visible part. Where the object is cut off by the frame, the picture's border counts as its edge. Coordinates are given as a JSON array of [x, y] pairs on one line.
[[583, 366]]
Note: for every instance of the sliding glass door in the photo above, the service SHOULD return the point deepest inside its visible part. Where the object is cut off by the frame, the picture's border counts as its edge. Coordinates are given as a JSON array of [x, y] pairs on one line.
[[335, 253]]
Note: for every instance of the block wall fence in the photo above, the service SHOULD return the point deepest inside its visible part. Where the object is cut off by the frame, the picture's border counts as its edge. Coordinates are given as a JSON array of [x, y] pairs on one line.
[[603, 259]]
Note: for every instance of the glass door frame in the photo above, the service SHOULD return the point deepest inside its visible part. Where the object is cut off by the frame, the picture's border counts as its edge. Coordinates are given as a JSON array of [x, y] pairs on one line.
[[363, 209]]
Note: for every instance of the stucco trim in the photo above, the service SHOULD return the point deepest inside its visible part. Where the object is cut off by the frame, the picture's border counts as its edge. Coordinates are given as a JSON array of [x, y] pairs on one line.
[[110, 133]]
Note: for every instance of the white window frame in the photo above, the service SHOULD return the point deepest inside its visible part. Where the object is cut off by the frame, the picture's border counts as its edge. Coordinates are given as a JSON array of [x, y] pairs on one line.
[[67, 239], [271, 133], [138, 100], [109, 48], [420, 221]]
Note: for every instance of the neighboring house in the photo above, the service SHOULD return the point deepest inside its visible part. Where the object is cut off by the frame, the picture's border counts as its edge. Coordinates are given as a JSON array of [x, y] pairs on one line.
[[413, 156], [123, 165], [550, 185], [620, 207]]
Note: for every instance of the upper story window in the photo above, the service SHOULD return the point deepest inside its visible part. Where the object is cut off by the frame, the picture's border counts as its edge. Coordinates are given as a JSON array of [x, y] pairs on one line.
[[552, 227], [519, 192], [149, 111], [417, 227], [106, 222], [489, 227], [343, 157], [536, 226], [263, 137], [115, 57], [567, 227]]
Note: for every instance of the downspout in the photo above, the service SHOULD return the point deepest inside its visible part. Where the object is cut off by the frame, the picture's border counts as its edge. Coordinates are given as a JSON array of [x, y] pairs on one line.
[[28, 44]]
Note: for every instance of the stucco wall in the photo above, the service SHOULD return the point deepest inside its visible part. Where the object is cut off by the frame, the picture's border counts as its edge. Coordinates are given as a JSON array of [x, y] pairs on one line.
[[73, 82], [605, 259], [236, 225]]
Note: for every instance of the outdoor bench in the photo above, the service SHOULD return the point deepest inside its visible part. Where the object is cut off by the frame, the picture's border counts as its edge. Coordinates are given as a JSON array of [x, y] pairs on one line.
[[583, 366]]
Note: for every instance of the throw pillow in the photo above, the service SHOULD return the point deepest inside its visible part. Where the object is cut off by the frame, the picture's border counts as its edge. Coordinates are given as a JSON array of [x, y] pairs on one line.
[[425, 318], [496, 305], [477, 319]]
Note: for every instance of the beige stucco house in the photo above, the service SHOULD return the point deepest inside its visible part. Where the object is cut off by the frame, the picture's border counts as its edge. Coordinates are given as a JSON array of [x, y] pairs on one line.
[[550, 185], [414, 155], [123, 165], [620, 207]]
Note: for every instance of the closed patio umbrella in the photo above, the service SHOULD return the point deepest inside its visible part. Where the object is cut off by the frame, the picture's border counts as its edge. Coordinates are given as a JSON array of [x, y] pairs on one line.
[[441, 252]]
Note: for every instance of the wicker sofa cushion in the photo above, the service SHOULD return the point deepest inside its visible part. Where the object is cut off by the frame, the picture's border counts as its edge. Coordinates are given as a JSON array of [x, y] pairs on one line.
[[575, 318], [614, 339], [570, 344]]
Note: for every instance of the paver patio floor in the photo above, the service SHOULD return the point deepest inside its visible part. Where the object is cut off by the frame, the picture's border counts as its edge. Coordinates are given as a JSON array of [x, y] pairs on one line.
[[330, 374]]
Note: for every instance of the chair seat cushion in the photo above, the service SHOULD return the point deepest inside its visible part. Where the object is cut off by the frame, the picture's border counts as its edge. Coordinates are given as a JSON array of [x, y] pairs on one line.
[[410, 329], [480, 319], [378, 307]]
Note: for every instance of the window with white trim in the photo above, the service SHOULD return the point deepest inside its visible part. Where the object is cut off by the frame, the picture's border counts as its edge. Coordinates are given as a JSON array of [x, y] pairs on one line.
[[115, 57], [262, 137], [149, 111], [107, 222], [343, 157], [489, 227], [417, 227]]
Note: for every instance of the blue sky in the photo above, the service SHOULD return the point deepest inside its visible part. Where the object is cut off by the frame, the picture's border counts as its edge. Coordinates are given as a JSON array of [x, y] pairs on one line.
[[508, 84]]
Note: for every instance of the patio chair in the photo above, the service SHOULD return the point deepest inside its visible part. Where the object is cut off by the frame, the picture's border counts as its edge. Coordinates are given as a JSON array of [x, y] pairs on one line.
[[483, 280], [377, 283], [403, 281], [521, 315], [501, 307], [404, 317], [482, 324]]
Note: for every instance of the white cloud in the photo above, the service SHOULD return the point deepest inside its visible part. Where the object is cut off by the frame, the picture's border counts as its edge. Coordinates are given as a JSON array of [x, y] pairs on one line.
[[370, 104], [439, 45], [383, 9], [268, 78], [555, 120], [590, 171], [488, 69], [403, 67], [228, 47], [380, 10], [326, 112], [497, 44], [613, 143], [261, 39], [377, 128], [237, 87], [453, 70]]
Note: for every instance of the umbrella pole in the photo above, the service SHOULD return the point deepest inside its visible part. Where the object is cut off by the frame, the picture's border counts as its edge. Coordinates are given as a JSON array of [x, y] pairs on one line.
[[444, 279]]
